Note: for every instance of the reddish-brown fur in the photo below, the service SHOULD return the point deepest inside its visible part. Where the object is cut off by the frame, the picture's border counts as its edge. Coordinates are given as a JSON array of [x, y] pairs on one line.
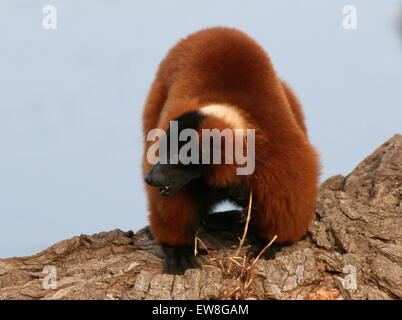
[[223, 65]]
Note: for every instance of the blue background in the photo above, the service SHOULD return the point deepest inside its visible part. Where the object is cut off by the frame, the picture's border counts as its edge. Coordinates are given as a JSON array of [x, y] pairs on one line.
[[71, 98]]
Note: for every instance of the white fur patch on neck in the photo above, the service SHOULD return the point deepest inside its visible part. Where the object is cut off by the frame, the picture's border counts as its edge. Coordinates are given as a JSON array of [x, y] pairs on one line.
[[227, 113]]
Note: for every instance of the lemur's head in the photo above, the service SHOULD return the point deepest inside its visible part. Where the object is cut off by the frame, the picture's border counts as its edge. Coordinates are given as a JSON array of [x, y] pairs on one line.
[[199, 144]]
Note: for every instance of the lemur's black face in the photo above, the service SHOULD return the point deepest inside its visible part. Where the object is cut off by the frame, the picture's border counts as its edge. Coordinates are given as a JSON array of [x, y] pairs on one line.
[[170, 178], [173, 175]]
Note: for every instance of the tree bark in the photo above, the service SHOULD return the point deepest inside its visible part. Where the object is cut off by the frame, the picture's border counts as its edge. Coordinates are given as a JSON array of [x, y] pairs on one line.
[[353, 250]]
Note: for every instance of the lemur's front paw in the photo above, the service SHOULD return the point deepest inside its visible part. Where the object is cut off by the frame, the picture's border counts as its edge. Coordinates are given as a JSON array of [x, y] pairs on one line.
[[178, 259]]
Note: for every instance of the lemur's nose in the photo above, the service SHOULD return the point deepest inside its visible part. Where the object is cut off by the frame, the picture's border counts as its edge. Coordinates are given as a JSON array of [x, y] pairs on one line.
[[148, 179]]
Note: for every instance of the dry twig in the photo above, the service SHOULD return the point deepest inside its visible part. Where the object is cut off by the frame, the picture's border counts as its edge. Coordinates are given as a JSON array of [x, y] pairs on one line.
[[245, 268]]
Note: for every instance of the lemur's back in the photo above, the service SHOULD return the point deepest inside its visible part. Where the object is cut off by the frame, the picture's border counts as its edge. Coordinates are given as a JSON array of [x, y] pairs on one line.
[[219, 65]]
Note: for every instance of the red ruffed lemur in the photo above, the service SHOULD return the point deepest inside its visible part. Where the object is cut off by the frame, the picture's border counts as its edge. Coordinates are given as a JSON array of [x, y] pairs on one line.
[[220, 78]]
